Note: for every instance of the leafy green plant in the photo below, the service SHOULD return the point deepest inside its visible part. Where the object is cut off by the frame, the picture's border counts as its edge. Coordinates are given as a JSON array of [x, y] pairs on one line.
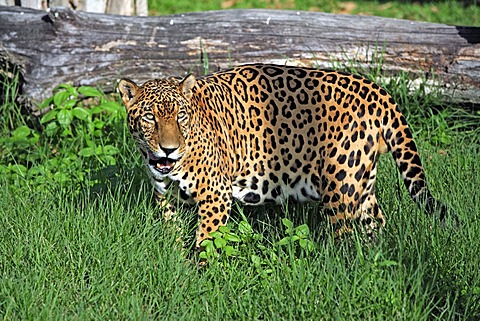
[[17, 146], [21, 138], [297, 235], [220, 241], [89, 126], [239, 241], [74, 142]]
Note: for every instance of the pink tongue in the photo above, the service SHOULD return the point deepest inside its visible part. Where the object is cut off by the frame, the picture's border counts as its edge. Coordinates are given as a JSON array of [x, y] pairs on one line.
[[164, 163]]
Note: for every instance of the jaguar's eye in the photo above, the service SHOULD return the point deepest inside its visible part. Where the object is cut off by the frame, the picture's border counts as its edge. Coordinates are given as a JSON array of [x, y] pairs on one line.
[[149, 117], [181, 114]]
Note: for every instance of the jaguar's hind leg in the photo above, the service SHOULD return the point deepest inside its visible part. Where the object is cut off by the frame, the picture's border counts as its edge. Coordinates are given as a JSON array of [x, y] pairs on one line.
[[354, 202], [368, 212], [370, 216]]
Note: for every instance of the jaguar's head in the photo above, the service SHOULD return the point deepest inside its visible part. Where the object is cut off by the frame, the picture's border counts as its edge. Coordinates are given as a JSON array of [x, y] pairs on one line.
[[159, 119]]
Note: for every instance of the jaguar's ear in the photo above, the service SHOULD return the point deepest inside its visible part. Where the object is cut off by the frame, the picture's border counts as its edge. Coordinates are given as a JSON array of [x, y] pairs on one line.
[[127, 89], [187, 84]]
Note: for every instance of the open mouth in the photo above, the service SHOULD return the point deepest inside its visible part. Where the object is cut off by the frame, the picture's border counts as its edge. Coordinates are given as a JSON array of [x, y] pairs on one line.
[[163, 165]]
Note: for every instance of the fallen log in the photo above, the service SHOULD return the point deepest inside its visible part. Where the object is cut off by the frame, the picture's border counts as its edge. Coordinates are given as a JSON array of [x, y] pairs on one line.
[[61, 46]]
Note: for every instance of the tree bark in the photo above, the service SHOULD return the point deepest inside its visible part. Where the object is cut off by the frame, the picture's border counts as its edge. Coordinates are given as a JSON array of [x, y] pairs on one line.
[[95, 49]]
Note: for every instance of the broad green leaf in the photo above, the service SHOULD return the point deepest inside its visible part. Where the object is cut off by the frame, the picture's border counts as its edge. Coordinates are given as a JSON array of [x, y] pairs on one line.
[[206, 242], [45, 103], [89, 91], [232, 237], [302, 243], [110, 106], [285, 241], [210, 247], [38, 170], [96, 110], [91, 127], [48, 117], [306, 244], [51, 129], [97, 132], [4, 169], [287, 223], [53, 162], [89, 142], [62, 86], [87, 151], [34, 139], [224, 229], [71, 156], [99, 124], [229, 250], [21, 132], [69, 104], [244, 228], [216, 234], [68, 88], [302, 230], [65, 117], [220, 243], [60, 97], [80, 113], [18, 169], [257, 237]]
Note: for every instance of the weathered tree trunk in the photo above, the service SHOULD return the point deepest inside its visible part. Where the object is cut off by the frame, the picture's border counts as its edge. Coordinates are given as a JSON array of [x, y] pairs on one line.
[[95, 49]]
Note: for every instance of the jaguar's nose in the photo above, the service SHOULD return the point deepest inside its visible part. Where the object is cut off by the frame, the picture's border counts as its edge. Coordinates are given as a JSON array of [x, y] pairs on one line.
[[167, 151]]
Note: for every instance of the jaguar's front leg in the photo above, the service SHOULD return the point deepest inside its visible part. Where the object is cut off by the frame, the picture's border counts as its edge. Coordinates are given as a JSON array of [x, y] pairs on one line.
[[173, 223], [213, 211], [167, 209]]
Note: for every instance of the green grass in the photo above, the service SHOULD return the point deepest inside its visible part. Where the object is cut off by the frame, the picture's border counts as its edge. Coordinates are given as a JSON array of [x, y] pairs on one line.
[[447, 11], [106, 257]]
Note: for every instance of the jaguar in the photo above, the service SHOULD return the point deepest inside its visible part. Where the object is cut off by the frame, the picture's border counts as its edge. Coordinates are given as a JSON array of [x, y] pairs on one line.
[[262, 133]]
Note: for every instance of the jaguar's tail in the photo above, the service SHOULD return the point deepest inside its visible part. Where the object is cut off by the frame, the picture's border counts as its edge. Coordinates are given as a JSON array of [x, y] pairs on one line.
[[399, 140]]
